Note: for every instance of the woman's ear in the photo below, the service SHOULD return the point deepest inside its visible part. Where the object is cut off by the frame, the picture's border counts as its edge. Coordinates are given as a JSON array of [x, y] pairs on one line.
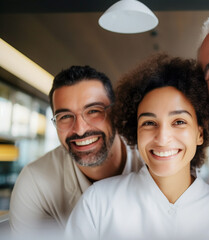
[[200, 139]]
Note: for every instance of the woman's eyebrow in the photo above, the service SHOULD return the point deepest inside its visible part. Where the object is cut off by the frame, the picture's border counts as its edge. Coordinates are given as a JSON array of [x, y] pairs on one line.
[[179, 112], [176, 112], [146, 114]]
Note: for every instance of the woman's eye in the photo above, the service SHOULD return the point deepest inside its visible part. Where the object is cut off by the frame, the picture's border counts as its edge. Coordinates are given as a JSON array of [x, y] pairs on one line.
[[149, 123], [179, 122]]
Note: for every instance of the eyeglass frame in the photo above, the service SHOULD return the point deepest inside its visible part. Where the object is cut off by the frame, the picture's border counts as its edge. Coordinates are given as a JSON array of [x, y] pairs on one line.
[[53, 119]]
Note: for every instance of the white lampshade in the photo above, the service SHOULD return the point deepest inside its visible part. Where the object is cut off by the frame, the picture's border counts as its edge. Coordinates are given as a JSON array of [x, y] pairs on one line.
[[128, 16]]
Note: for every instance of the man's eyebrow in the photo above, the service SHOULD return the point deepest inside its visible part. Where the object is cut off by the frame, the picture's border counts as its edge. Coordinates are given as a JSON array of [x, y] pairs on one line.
[[94, 104], [86, 106], [149, 114], [61, 110]]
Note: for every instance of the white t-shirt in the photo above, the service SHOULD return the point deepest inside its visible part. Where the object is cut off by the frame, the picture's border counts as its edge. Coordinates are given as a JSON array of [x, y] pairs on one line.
[[133, 207]]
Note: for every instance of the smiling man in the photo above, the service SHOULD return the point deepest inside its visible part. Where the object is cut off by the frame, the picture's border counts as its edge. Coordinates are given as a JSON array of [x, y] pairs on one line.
[[88, 134], [47, 189]]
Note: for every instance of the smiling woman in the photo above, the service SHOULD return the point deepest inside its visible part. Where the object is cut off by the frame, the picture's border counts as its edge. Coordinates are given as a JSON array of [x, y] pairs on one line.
[[157, 72], [163, 107], [168, 135]]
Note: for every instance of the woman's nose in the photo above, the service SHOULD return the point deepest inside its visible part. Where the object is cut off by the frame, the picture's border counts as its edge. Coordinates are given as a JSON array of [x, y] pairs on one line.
[[163, 135]]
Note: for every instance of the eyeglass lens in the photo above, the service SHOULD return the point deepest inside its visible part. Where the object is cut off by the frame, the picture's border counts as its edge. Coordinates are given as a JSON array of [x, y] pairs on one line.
[[92, 115]]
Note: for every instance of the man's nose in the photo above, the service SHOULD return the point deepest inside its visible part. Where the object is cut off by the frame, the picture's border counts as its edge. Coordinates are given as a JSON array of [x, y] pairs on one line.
[[80, 125]]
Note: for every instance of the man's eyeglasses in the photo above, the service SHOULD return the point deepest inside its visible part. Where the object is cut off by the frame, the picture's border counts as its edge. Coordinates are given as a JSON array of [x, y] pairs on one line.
[[93, 115]]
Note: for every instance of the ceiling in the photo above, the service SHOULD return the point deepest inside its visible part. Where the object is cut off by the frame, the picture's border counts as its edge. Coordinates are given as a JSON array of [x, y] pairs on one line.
[[58, 34], [49, 6]]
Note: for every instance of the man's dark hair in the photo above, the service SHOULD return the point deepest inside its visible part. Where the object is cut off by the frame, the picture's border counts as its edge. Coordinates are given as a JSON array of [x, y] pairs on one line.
[[160, 71], [76, 74]]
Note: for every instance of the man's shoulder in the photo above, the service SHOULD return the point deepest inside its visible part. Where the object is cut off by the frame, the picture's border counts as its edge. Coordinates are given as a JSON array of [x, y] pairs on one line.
[[122, 182], [51, 164], [55, 156], [116, 189], [115, 184]]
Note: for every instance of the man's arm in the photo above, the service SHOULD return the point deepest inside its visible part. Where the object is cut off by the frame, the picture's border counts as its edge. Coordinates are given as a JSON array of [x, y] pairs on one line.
[[26, 212]]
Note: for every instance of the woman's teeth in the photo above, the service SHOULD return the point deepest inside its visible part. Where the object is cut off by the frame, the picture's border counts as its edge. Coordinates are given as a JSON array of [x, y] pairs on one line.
[[86, 142], [165, 154]]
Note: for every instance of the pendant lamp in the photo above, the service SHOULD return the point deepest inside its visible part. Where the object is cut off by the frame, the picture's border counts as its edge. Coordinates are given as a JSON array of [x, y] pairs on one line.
[[128, 16]]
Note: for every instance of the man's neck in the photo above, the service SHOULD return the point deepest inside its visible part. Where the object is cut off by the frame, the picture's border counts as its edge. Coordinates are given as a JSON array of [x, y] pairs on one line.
[[112, 166]]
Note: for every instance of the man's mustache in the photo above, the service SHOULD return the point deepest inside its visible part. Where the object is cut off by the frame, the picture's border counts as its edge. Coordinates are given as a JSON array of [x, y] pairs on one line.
[[86, 134]]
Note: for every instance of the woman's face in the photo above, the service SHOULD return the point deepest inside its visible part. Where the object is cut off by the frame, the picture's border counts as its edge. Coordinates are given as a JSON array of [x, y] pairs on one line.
[[168, 132]]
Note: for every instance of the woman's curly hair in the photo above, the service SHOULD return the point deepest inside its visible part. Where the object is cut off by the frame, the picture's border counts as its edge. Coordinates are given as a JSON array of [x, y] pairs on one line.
[[159, 71]]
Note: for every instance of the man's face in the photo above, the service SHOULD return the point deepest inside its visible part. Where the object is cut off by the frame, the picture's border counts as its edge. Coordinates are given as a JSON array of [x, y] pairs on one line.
[[87, 144], [203, 58]]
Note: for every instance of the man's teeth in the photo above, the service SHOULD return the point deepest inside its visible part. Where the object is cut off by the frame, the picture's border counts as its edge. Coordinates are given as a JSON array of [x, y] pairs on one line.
[[86, 142], [166, 154]]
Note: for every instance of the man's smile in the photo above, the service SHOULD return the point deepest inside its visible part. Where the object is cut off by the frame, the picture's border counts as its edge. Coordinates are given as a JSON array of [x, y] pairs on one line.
[[85, 142], [89, 141]]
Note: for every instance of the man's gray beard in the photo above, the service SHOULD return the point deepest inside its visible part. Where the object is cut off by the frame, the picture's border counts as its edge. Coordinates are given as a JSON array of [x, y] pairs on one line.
[[92, 159]]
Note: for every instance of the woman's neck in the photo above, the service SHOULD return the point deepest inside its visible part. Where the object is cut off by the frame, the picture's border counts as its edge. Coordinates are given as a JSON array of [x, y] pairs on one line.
[[174, 186]]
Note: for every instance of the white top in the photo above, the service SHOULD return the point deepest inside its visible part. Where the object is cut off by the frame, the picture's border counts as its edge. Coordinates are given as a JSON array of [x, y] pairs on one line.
[[47, 190], [133, 207]]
